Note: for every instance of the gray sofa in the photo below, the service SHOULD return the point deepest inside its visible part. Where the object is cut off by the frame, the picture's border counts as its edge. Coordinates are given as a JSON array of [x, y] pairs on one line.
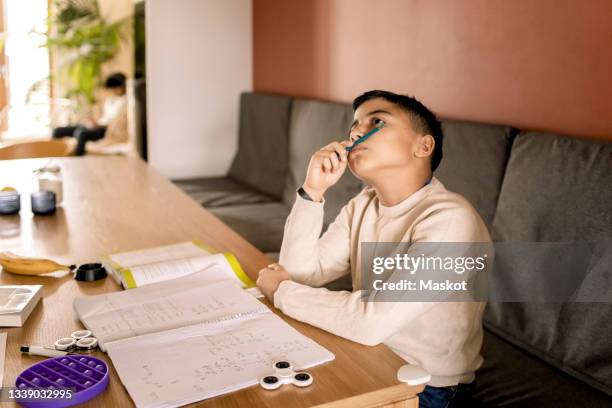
[[527, 187]]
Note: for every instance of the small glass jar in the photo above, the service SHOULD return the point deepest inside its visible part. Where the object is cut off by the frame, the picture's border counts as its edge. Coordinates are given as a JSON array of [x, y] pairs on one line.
[[10, 202], [43, 202], [50, 179]]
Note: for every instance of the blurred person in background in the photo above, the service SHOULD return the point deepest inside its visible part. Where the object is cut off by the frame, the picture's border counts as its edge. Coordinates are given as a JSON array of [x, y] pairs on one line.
[[110, 127]]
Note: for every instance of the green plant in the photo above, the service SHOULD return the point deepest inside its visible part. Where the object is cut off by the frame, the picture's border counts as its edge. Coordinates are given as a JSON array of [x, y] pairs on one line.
[[86, 41]]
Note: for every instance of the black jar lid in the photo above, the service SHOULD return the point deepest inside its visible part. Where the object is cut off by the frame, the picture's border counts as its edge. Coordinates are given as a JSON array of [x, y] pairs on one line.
[[90, 272]]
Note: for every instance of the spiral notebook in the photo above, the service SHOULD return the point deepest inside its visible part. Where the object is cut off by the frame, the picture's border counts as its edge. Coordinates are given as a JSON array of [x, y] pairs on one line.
[[191, 338]]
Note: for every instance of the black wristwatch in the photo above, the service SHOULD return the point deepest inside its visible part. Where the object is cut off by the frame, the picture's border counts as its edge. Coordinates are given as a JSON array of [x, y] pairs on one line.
[[304, 194]]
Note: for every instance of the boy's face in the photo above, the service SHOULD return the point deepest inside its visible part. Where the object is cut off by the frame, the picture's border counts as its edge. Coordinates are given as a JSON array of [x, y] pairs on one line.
[[392, 147], [117, 91]]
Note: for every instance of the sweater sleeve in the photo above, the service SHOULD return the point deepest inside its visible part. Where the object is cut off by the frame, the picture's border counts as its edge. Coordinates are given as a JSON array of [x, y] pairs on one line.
[[309, 259], [368, 321], [345, 314]]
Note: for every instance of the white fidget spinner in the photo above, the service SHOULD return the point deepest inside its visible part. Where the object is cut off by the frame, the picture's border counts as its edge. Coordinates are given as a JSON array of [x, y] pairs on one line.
[[80, 339], [285, 375]]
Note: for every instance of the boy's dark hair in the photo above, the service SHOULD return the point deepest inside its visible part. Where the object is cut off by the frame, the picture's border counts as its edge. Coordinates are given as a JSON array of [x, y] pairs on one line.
[[116, 80], [423, 120]]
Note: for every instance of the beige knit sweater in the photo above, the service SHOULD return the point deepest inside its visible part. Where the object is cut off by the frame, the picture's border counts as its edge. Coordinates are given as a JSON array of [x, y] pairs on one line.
[[444, 338]]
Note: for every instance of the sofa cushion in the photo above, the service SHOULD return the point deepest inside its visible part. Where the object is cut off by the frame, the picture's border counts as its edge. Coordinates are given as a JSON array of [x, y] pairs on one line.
[[213, 192], [558, 189], [473, 163], [261, 161], [260, 224], [510, 377], [313, 125]]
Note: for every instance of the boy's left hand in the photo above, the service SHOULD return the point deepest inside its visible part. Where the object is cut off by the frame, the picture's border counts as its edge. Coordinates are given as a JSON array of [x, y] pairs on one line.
[[269, 278]]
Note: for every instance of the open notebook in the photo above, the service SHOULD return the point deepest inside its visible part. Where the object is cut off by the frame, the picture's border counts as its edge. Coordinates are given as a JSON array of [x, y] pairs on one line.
[[138, 268], [191, 338]]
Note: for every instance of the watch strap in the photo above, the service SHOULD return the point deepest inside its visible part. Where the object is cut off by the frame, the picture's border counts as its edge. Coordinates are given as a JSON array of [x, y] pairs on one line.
[[304, 194]]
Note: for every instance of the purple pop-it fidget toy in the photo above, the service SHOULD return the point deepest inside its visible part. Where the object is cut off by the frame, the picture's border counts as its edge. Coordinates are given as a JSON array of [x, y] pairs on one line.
[[87, 376]]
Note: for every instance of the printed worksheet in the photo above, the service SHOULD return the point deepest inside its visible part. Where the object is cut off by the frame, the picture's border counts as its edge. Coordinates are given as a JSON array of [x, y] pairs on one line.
[[191, 338], [201, 297], [188, 364]]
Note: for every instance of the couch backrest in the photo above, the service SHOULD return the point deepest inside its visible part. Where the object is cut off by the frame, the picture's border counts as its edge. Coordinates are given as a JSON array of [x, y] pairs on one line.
[[262, 161], [560, 189], [313, 125], [278, 134], [473, 163]]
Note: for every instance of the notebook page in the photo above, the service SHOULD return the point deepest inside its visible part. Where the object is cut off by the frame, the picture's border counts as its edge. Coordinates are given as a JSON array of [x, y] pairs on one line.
[[159, 254], [161, 271], [188, 364], [200, 297]]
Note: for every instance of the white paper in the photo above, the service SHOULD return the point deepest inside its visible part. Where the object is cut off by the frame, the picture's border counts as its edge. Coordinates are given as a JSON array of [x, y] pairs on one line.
[[168, 262], [160, 254], [188, 364], [2, 356], [191, 338], [200, 297], [159, 272]]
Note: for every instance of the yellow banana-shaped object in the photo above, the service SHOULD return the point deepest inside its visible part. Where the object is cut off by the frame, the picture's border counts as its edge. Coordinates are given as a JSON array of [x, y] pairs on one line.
[[30, 266]]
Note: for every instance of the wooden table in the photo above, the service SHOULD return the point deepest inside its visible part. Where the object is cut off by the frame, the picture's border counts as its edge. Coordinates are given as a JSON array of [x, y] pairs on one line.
[[114, 204]]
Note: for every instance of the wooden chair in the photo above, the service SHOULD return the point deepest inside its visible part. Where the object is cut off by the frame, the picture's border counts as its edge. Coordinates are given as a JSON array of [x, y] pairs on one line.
[[32, 149]]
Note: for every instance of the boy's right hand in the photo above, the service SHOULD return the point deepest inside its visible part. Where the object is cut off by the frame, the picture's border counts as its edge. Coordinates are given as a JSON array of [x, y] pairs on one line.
[[325, 169]]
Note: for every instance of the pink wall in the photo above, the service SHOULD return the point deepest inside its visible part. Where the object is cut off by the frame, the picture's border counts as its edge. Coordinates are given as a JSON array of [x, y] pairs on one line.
[[534, 64]]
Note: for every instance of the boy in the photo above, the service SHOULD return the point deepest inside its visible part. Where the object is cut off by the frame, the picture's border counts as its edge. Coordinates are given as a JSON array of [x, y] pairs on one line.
[[113, 116], [403, 204]]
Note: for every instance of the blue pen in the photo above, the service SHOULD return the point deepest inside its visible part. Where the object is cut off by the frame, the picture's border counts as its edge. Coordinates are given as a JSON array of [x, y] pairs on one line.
[[363, 138]]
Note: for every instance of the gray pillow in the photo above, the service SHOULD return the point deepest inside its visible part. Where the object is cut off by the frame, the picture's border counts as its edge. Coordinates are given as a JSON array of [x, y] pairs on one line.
[[560, 189], [474, 161], [315, 124], [261, 161]]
